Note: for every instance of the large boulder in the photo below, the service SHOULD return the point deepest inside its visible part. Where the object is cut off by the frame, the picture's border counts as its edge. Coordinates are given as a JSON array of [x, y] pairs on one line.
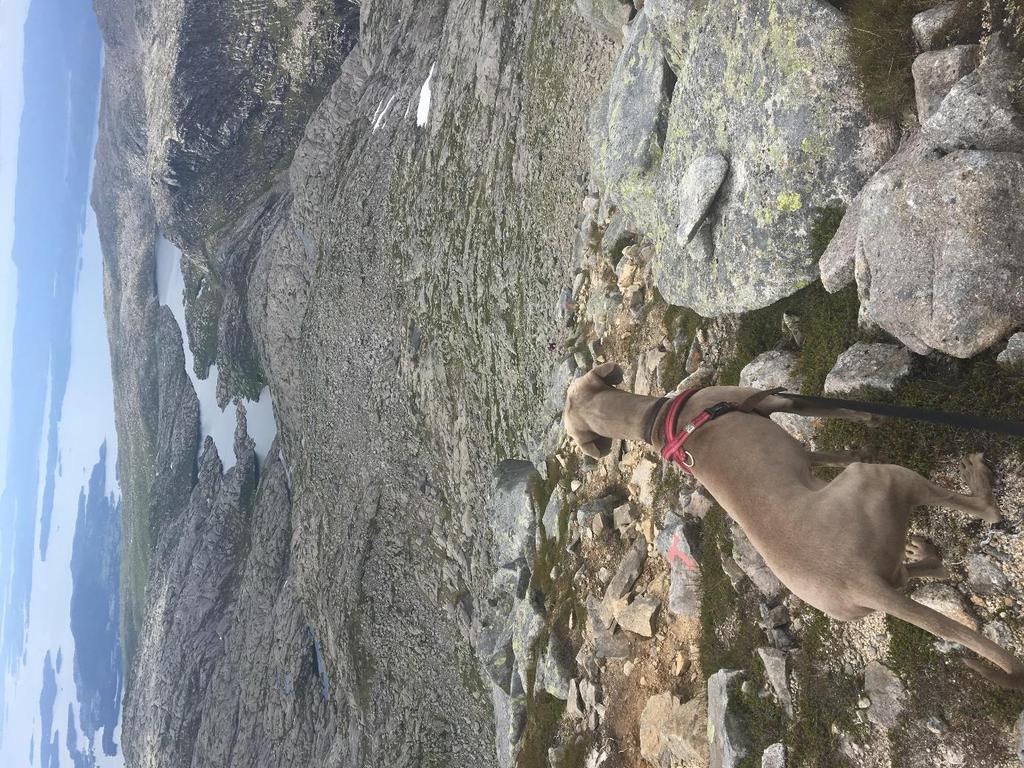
[[934, 239], [936, 251], [721, 157], [936, 72]]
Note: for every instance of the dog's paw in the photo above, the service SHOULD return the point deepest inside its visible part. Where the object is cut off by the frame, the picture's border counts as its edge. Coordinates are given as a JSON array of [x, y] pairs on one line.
[[978, 476]]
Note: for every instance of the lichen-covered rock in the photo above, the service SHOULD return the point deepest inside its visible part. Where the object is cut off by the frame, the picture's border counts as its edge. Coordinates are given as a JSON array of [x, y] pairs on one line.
[[672, 731], [886, 692], [936, 72], [778, 369], [1013, 354], [555, 668], [726, 734], [984, 576], [789, 122], [869, 366], [513, 517]]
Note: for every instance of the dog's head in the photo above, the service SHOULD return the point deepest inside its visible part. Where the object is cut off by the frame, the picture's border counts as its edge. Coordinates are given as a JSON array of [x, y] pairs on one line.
[[577, 416]]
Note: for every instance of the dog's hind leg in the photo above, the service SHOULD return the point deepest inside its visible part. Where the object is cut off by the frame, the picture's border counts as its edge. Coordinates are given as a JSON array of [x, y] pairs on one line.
[[978, 477]]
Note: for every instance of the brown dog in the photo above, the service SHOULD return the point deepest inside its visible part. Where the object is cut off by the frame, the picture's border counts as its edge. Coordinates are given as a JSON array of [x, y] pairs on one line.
[[841, 545]]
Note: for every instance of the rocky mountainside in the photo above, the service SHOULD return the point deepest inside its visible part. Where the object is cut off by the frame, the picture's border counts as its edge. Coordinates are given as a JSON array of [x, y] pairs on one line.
[[417, 222]]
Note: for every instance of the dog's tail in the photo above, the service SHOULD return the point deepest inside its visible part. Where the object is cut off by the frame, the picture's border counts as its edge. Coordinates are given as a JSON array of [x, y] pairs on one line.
[[1011, 671]]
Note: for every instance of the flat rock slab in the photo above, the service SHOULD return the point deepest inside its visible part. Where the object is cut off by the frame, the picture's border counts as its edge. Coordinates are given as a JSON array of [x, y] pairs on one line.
[[886, 692], [673, 732], [637, 616], [776, 670], [701, 183], [869, 366], [685, 590], [774, 756]]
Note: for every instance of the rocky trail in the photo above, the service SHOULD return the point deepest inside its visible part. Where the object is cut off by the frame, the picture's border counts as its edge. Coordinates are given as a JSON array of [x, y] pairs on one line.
[[417, 223]]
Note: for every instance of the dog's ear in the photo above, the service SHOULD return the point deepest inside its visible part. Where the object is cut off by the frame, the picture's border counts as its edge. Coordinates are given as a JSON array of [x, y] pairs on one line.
[[610, 373]]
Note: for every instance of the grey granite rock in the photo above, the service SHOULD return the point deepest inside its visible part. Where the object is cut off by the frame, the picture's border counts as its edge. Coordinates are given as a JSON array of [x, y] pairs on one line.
[[920, 267], [726, 736], [627, 572], [685, 589], [513, 520], [936, 72], [509, 725], [887, 695], [638, 615], [554, 670], [616, 237], [672, 731], [1013, 354], [553, 512], [774, 756], [869, 366], [978, 112], [778, 369], [931, 27]]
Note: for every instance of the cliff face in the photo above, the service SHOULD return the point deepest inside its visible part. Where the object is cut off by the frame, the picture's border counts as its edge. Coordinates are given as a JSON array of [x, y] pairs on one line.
[[391, 282]]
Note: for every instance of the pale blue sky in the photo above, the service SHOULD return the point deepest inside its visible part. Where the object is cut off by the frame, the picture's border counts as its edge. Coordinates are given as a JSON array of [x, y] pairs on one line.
[[12, 22]]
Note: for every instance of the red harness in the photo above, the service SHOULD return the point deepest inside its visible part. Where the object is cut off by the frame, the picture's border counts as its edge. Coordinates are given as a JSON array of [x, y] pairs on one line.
[[674, 443]]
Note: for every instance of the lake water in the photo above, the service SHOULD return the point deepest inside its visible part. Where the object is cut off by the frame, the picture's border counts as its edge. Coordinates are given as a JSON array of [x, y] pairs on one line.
[[215, 422]]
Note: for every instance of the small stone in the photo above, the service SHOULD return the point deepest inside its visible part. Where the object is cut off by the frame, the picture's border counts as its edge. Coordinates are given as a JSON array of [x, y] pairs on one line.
[[774, 617], [695, 503], [984, 576], [627, 573], [886, 694], [643, 480], [680, 665], [936, 725], [637, 616], [627, 668], [733, 571], [791, 323], [700, 184], [869, 366], [604, 575], [774, 756], [1014, 352], [575, 485], [863, 702], [623, 517]]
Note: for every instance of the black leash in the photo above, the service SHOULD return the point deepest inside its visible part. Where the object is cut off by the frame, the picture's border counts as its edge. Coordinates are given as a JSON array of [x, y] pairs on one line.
[[962, 420]]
